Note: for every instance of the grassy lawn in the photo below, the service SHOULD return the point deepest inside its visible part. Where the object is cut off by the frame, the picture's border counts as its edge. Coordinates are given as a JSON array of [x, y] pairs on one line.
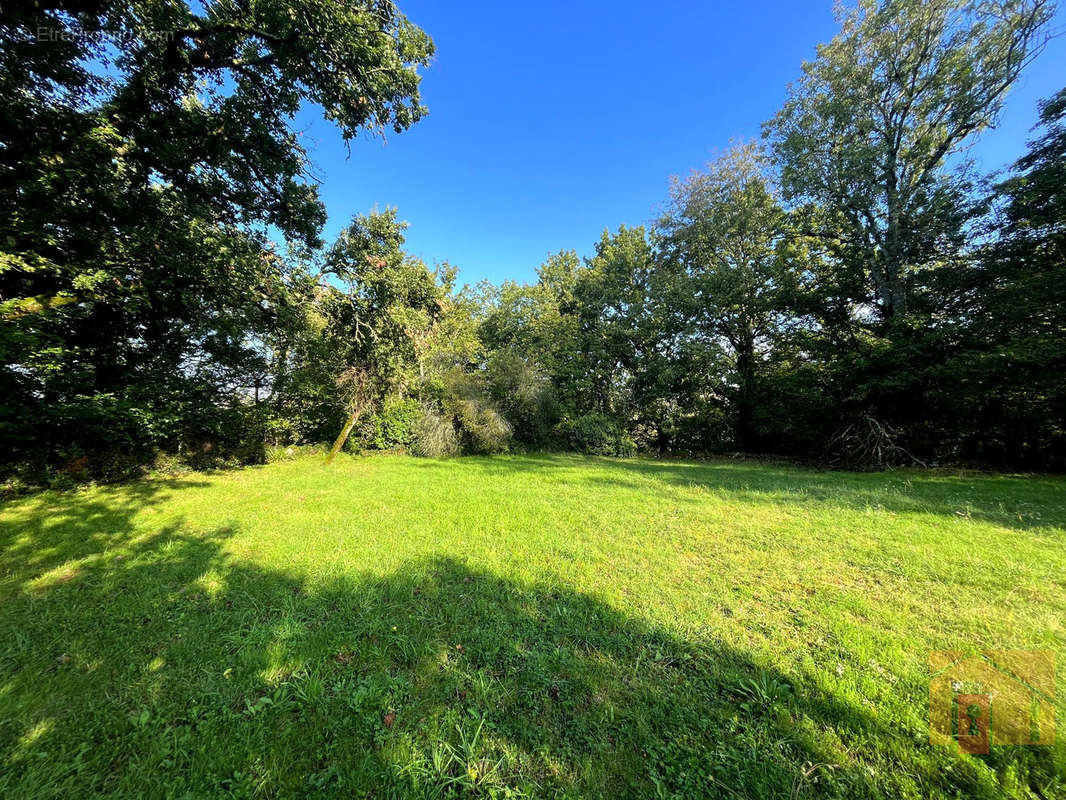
[[518, 626]]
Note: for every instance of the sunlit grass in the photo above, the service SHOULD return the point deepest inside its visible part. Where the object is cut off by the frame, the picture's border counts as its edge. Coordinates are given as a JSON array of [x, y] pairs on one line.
[[538, 625]]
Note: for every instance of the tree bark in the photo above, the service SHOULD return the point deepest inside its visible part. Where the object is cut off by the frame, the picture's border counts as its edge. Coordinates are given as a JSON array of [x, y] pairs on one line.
[[745, 428], [337, 445]]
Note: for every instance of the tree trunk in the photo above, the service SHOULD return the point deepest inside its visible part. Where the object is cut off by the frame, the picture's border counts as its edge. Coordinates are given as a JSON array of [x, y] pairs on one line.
[[745, 400], [337, 445], [892, 291]]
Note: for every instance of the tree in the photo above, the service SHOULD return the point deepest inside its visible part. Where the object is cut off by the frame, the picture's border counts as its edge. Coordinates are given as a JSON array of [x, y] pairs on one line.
[[610, 297], [1008, 398], [391, 303], [868, 132], [144, 150], [721, 239], [579, 330], [534, 323]]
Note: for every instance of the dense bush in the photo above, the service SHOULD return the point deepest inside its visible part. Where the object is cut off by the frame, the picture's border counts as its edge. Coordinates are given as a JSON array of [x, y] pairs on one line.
[[482, 428], [394, 426], [522, 392], [435, 435], [598, 434]]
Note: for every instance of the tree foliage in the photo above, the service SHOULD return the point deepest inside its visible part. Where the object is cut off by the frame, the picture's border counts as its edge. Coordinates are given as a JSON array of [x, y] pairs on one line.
[[1013, 401], [850, 291], [867, 132], [723, 240], [145, 149]]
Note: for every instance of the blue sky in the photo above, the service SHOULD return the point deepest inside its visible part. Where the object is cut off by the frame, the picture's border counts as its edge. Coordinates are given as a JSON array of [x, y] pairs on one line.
[[549, 122]]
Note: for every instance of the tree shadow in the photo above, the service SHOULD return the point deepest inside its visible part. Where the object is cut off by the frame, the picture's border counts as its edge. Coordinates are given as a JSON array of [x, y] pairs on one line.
[[165, 665], [57, 527]]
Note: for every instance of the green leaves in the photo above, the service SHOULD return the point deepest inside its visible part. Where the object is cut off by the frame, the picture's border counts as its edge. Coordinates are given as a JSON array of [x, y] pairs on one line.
[[868, 129], [725, 280], [140, 177]]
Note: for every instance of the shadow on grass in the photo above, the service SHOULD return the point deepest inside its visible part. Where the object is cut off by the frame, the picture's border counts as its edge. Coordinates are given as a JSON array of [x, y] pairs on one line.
[[1022, 502], [161, 665], [59, 527]]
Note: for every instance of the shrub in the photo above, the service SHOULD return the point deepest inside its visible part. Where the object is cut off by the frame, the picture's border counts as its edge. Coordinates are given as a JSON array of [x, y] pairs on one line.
[[598, 434], [280, 432], [483, 429], [113, 466], [699, 427], [394, 426], [108, 434], [466, 421], [435, 435], [480, 425], [522, 392]]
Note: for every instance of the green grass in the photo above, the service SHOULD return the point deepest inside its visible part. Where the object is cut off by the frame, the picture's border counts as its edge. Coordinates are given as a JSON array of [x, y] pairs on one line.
[[518, 626]]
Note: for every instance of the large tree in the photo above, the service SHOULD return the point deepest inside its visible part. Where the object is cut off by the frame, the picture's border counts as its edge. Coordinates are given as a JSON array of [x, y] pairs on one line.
[[871, 130], [724, 276], [1008, 384], [380, 308], [146, 151], [610, 297]]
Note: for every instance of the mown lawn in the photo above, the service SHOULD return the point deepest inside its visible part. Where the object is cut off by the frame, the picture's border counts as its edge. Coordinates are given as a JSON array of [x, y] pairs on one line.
[[518, 626]]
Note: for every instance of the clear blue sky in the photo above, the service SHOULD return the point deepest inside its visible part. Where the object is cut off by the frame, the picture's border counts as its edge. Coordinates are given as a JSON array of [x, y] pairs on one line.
[[551, 121]]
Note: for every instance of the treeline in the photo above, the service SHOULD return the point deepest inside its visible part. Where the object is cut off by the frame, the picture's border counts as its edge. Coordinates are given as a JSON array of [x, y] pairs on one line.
[[846, 290]]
